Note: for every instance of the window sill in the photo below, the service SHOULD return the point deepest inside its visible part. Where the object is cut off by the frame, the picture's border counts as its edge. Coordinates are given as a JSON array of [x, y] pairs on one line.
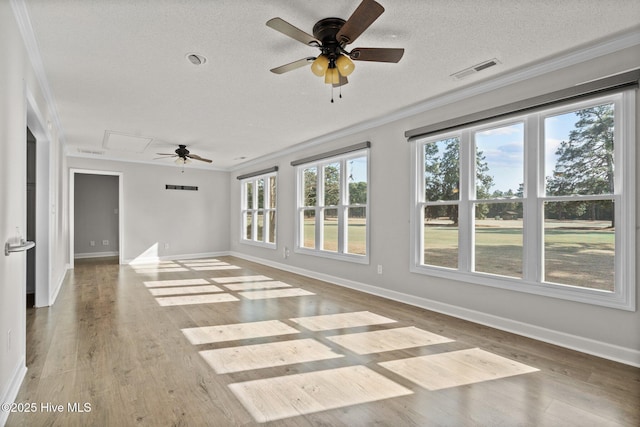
[[566, 292], [358, 259], [259, 244]]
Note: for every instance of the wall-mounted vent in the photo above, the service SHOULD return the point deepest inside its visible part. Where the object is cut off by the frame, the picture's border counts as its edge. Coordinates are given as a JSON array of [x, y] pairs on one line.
[[181, 187], [476, 68]]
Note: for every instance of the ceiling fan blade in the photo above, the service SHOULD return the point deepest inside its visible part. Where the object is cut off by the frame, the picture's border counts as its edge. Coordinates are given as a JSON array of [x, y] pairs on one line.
[[343, 81], [295, 33], [196, 157], [377, 54], [367, 12], [293, 65], [166, 156]]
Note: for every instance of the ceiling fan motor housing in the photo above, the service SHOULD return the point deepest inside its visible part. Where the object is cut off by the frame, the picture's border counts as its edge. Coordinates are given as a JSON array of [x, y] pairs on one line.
[[325, 30]]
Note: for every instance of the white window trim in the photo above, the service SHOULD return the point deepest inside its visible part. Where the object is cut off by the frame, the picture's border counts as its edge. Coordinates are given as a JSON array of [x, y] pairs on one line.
[[243, 209], [340, 255], [624, 295]]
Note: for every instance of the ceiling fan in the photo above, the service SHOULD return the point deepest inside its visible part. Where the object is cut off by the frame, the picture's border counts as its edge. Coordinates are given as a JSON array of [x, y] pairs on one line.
[[183, 155], [331, 36]]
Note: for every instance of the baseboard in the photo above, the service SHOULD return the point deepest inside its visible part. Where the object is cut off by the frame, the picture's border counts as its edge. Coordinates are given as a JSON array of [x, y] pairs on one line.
[[619, 354], [95, 255], [154, 259], [14, 386]]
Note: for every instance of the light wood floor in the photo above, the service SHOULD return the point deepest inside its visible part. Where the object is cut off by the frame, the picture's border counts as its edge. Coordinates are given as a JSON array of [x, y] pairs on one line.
[[259, 346]]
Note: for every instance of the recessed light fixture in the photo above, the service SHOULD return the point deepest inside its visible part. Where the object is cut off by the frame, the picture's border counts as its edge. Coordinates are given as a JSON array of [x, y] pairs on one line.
[[196, 59]]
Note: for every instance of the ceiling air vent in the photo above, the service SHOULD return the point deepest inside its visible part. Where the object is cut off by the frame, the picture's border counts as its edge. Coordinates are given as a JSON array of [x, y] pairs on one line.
[[91, 151], [476, 68]]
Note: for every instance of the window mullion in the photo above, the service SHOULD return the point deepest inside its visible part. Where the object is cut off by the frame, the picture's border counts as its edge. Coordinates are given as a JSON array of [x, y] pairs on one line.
[[532, 234], [465, 211]]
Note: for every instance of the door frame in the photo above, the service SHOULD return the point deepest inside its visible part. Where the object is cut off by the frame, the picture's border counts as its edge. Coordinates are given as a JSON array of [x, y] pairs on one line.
[[44, 206], [72, 179]]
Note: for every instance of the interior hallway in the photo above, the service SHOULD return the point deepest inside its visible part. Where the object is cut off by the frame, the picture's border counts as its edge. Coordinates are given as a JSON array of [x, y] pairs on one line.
[[229, 342]]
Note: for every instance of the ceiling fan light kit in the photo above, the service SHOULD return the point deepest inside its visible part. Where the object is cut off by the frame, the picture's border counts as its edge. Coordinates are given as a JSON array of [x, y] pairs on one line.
[[331, 36], [183, 156]]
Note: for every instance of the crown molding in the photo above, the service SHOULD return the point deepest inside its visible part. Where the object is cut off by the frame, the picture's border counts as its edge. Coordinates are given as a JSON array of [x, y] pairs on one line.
[[33, 51], [578, 56]]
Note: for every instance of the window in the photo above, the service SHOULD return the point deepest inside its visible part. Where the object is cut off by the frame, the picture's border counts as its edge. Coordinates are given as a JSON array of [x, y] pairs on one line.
[[541, 203], [333, 207], [259, 210]]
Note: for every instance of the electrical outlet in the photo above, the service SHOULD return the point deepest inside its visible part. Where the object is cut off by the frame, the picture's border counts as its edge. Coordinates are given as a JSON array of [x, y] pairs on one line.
[[105, 243], [92, 243], [379, 268], [285, 252]]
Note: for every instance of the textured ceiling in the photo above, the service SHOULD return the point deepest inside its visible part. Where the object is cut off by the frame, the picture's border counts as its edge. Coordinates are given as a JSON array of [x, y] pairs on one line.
[[120, 66]]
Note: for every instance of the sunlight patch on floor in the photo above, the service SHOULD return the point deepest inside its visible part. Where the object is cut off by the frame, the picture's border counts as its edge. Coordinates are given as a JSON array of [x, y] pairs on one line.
[[256, 285], [259, 356], [181, 290], [159, 270], [178, 282], [195, 299], [240, 279], [275, 293], [282, 397], [456, 368], [237, 331], [387, 340], [216, 267], [203, 263], [341, 320]]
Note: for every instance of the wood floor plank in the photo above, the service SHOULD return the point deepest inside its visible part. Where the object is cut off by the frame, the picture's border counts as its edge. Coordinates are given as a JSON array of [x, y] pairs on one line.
[[107, 342]]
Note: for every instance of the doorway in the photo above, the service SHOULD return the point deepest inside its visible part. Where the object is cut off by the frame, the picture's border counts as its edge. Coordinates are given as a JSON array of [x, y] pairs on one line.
[[31, 218], [95, 216]]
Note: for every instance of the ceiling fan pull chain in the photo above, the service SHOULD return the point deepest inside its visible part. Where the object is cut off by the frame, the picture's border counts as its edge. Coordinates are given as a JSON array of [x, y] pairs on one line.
[[332, 94]]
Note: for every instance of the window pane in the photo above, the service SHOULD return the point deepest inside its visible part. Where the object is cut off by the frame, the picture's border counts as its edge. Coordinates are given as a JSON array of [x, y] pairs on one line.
[[498, 238], [357, 230], [441, 236], [357, 181], [247, 226], [249, 195], [260, 193], [579, 152], [579, 244], [272, 192], [260, 224], [310, 178], [500, 162], [441, 170], [332, 184], [272, 227], [330, 230], [309, 228]]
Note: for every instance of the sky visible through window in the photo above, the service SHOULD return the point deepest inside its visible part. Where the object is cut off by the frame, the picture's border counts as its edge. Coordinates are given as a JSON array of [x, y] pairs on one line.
[[503, 149], [357, 169]]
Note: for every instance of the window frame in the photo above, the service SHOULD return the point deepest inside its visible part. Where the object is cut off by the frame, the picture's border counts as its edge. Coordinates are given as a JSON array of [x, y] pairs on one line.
[[532, 281], [342, 208], [255, 210]]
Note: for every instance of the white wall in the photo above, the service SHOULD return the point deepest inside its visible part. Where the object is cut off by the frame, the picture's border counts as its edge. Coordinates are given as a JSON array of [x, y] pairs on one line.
[[598, 330], [95, 215], [191, 223], [21, 93]]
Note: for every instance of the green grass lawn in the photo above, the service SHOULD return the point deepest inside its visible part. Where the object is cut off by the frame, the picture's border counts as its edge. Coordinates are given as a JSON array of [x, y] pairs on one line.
[[573, 256]]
